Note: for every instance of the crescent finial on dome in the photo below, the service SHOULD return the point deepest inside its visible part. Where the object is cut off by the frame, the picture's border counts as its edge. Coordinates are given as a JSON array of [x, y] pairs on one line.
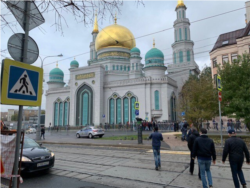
[[115, 19], [57, 64], [95, 30], [153, 43]]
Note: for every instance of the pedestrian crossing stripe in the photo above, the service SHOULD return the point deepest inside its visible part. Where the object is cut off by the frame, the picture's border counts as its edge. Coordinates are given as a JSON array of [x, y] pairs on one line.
[[23, 86]]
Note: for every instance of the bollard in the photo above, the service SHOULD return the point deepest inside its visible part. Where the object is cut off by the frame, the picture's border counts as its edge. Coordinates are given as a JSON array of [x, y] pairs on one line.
[[139, 125]]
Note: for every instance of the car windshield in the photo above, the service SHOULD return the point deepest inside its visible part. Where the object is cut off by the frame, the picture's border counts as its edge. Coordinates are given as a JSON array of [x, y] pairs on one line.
[[29, 143]]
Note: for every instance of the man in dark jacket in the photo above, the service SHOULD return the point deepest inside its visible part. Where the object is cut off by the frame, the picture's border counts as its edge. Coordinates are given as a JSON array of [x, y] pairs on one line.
[[42, 132], [236, 148], [204, 149], [194, 134], [184, 131], [156, 144]]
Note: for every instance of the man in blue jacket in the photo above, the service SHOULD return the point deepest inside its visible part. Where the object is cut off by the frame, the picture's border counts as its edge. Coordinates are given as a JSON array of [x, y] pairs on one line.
[[156, 144]]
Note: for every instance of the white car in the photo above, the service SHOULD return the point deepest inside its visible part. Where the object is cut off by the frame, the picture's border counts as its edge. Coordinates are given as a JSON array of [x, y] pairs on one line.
[[30, 131]]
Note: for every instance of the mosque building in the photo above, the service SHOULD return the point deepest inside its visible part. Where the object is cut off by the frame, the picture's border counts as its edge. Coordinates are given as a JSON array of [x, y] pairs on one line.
[[115, 78]]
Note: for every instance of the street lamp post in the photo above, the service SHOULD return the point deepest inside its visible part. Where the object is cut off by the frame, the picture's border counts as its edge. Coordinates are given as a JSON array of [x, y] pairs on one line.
[[39, 109]]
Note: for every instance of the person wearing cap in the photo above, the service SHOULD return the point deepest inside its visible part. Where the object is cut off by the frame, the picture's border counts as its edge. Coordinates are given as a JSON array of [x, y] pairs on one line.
[[205, 151], [236, 148]]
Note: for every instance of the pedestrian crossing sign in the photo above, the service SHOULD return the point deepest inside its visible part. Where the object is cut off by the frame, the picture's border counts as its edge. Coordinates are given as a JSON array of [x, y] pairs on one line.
[[21, 84]]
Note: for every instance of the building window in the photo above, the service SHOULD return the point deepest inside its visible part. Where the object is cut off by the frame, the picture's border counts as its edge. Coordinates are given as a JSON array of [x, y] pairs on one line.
[[60, 113], [225, 42], [56, 114], [125, 110], [106, 67], [214, 62], [65, 122], [215, 79], [117, 67], [132, 66], [120, 67], [136, 66], [118, 111], [188, 56], [113, 67], [186, 34], [175, 35], [157, 104], [111, 111], [224, 59], [234, 57], [180, 36], [125, 68], [180, 14], [85, 108], [174, 58], [128, 68], [181, 56], [132, 109], [183, 14]]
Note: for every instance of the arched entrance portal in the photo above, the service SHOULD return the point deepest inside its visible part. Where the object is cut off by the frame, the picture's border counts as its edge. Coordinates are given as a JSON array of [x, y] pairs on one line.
[[84, 106]]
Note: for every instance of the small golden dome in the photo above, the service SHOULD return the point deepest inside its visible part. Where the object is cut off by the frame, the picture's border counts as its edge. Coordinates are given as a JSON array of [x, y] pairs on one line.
[[95, 29], [180, 4], [115, 36]]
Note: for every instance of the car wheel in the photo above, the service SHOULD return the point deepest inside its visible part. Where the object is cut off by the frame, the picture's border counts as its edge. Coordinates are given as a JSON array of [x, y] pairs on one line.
[[100, 136], [77, 135], [90, 136]]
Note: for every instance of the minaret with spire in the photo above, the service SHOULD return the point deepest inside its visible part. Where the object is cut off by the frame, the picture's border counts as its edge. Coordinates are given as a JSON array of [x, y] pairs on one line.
[[93, 55], [183, 54], [183, 63]]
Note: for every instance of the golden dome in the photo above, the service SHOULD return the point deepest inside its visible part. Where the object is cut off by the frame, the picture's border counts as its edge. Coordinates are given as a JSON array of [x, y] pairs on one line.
[[115, 36], [180, 4]]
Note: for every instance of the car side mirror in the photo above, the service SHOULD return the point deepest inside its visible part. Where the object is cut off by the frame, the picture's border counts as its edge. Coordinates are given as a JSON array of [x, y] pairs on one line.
[[40, 144]]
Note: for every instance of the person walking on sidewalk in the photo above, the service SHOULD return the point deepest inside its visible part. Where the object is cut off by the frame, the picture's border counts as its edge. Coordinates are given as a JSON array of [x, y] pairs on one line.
[[42, 132], [156, 144], [204, 149], [194, 134], [236, 148]]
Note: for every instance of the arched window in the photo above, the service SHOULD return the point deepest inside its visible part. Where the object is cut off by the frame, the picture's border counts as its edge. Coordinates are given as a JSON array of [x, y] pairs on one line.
[[56, 114], [128, 68], [111, 111], [132, 109], [132, 66], [157, 104], [180, 35], [125, 110], [136, 66], [118, 111], [120, 67], [181, 56], [183, 14], [188, 56], [175, 35], [186, 34], [125, 68], [117, 67], [85, 108], [174, 58], [60, 113], [180, 14], [113, 67], [66, 112], [106, 67]]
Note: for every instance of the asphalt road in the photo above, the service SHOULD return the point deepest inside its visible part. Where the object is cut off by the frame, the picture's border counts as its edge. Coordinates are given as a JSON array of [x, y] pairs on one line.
[[46, 179]]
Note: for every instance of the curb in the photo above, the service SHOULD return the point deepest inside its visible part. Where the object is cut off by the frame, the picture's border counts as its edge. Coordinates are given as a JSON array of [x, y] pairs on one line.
[[105, 145]]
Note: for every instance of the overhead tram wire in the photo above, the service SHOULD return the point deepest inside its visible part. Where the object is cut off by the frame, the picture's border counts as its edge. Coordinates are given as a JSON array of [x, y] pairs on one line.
[[160, 32]]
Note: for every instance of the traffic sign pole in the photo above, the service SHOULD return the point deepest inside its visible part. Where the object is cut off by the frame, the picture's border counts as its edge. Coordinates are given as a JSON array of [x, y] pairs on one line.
[[220, 122], [20, 113]]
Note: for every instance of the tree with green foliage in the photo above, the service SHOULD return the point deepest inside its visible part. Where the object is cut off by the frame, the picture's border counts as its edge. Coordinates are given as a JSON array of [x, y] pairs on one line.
[[235, 79], [198, 98], [14, 117]]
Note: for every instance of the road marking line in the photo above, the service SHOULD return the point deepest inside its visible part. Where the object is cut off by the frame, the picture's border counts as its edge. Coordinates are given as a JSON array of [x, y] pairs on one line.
[[172, 152]]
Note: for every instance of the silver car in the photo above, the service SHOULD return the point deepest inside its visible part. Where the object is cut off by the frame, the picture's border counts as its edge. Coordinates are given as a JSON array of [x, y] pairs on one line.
[[90, 132]]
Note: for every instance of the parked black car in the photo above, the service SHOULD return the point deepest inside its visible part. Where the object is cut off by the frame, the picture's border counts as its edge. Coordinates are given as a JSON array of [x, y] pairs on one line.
[[35, 157]]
